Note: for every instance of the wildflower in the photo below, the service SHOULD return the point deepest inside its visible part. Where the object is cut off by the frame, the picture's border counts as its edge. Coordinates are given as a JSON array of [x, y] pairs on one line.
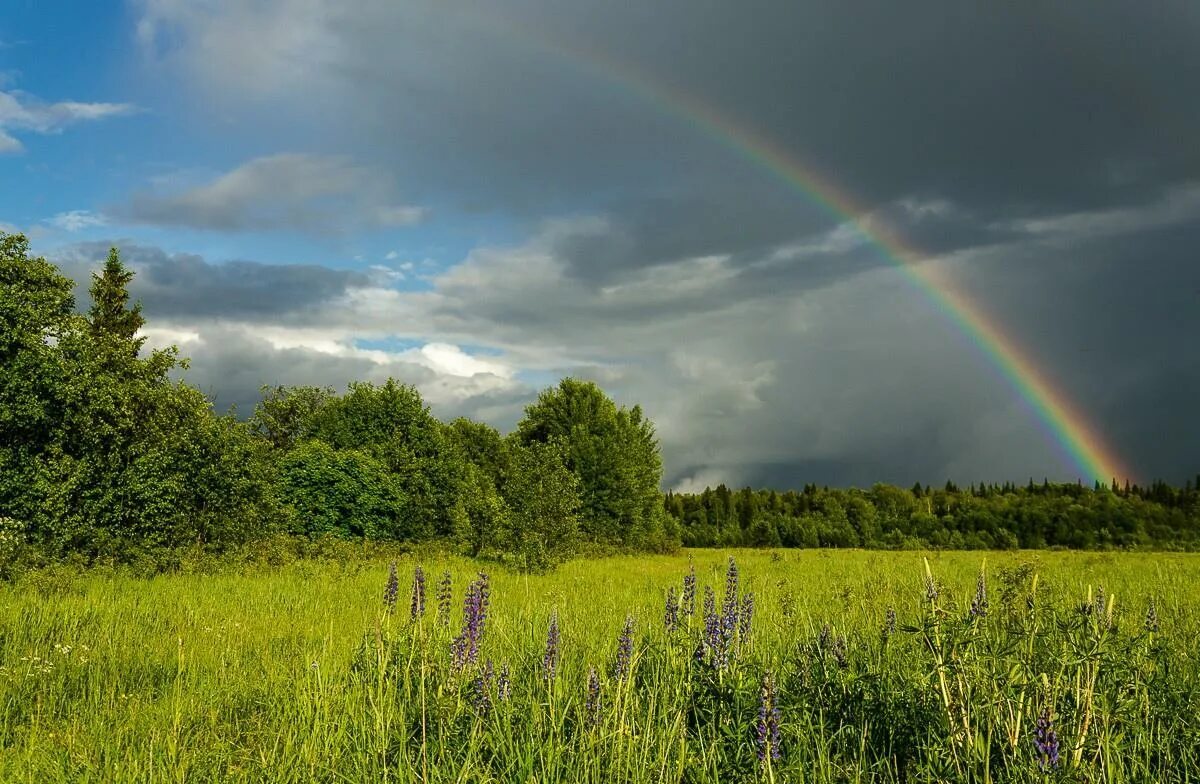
[[624, 650], [481, 689], [1152, 616], [889, 623], [688, 602], [1045, 742], [392, 590], [766, 727], [713, 648], [1099, 609], [417, 607], [443, 600], [747, 615], [840, 651], [671, 612], [465, 647], [979, 605], [591, 705], [504, 683], [824, 638], [931, 589], [550, 657], [729, 609]]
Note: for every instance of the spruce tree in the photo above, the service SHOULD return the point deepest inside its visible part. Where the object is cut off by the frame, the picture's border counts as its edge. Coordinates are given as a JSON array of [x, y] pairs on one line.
[[111, 317]]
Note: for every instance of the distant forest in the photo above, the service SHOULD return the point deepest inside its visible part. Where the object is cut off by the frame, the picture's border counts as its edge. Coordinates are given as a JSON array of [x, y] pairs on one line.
[[979, 517], [105, 457]]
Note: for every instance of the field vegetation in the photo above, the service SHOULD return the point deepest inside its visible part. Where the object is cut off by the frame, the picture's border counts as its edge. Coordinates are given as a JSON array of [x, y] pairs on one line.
[[772, 666]]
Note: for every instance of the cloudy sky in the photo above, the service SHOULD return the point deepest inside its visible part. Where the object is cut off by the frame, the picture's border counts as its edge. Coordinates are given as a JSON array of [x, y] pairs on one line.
[[482, 197]]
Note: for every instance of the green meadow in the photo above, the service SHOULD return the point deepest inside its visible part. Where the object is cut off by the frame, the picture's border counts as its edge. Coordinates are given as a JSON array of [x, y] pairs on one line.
[[300, 673]]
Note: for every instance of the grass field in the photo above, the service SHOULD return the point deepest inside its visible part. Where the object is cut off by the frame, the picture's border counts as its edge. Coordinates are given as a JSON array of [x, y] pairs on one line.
[[300, 674]]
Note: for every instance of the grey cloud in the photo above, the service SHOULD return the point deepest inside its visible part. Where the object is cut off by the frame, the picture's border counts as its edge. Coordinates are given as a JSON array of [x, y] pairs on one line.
[[310, 193], [184, 285]]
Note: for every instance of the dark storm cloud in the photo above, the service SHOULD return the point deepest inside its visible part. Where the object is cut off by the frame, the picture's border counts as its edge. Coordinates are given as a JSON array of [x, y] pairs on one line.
[[1040, 149], [183, 285]]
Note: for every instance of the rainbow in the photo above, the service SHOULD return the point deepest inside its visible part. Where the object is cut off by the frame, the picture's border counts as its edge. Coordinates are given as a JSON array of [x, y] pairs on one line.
[[1066, 426]]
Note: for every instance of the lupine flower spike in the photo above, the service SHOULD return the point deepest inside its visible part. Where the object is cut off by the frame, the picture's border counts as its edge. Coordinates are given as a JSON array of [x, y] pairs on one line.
[[624, 650], [416, 607], [1152, 616], [550, 657], [766, 727], [392, 590], [671, 612], [443, 600], [979, 605], [465, 648], [688, 603], [591, 705], [1045, 742]]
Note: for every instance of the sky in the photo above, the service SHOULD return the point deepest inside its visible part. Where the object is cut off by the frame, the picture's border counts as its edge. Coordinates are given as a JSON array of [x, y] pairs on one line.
[[696, 204]]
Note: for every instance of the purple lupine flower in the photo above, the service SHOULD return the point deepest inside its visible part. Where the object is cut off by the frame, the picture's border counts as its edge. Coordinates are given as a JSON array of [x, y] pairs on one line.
[[550, 657], [504, 683], [825, 638], [1099, 607], [671, 612], [713, 649], [591, 705], [747, 615], [889, 624], [840, 651], [481, 689], [392, 590], [1045, 742], [931, 590], [465, 647], [1152, 616], [624, 650], [979, 604], [416, 607], [766, 726], [729, 609], [444, 594], [688, 602]]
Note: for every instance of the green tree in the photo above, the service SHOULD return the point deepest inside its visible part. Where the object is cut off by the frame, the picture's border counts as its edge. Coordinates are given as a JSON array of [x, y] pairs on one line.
[[614, 454], [287, 415], [542, 494], [342, 491]]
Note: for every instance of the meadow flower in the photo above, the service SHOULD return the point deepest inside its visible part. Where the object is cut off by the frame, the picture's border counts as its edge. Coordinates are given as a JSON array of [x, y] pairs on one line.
[[443, 600], [889, 623], [591, 705], [550, 657], [688, 603], [671, 612], [979, 605], [504, 683], [624, 650], [1152, 616], [747, 615], [481, 689], [931, 590], [729, 609], [766, 726], [392, 590], [465, 647], [1045, 742], [417, 607]]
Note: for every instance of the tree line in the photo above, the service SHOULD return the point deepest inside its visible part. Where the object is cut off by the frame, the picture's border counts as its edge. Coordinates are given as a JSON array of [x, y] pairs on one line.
[[987, 516], [103, 456]]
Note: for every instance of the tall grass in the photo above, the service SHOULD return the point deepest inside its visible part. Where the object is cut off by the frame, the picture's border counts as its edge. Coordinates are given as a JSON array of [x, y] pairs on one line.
[[877, 669]]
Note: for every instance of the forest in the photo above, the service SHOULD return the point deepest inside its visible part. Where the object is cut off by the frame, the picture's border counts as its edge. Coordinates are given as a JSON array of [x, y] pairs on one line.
[[106, 456]]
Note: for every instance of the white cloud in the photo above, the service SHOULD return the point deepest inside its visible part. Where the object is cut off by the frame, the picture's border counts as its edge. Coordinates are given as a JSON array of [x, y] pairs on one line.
[[77, 220], [22, 112]]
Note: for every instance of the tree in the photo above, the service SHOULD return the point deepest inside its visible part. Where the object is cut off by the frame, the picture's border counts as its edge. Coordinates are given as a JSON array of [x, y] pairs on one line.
[[613, 453], [110, 315], [341, 491], [287, 415], [542, 527]]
